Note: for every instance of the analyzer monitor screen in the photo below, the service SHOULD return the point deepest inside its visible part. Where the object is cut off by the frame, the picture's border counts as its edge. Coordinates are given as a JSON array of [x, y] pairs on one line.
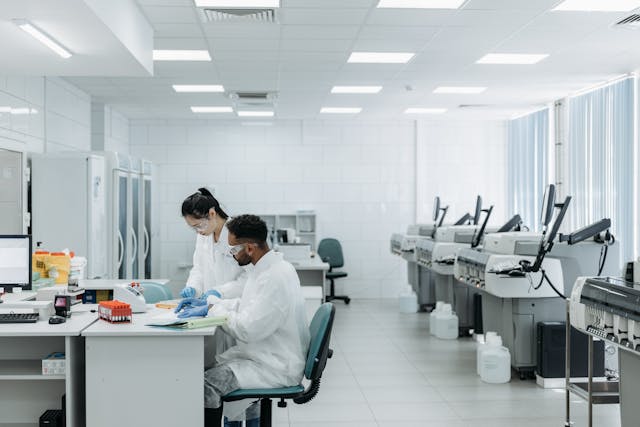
[[15, 261]]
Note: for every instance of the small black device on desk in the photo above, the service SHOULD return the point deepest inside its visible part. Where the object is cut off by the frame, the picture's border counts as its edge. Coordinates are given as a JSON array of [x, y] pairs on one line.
[[56, 320], [62, 305]]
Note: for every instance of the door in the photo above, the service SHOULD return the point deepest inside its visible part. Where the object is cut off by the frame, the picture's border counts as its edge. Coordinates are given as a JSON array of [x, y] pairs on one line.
[[121, 215], [134, 263], [146, 227], [11, 186], [97, 221]]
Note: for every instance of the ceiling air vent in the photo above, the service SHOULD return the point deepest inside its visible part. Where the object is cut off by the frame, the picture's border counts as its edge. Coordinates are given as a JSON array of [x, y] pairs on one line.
[[474, 106], [632, 22], [253, 98], [266, 16]]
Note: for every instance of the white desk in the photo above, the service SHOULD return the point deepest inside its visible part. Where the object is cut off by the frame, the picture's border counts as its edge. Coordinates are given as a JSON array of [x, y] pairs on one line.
[[144, 375], [311, 272], [19, 296], [24, 392]]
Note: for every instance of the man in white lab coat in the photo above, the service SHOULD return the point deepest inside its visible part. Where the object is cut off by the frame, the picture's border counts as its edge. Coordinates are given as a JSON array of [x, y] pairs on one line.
[[268, 322]]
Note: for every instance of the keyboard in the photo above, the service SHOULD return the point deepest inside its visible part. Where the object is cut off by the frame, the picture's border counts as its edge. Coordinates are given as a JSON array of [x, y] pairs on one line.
[[18, 317]]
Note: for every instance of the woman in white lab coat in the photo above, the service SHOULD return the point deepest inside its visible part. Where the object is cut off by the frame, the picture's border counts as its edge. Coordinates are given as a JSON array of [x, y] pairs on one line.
[[214, 271]]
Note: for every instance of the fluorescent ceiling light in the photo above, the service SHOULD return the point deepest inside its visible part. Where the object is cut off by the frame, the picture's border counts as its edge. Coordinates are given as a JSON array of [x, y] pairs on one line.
[[459, 89], [598, 5], [181, 55], [255, 113], [198, 88], [419, 110], [356, 89], [340, 110], [235, 4], [380, 57], [19, 110], [512, 58], [42, 37], [421, 4], [212, 109]]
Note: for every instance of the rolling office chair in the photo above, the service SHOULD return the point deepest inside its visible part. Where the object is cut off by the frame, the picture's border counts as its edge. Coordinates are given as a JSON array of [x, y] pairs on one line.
[[330, 251], [317, 355]]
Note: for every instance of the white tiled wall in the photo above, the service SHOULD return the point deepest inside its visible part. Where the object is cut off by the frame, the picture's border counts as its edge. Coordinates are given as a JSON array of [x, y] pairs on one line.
[[109, 129], [59, 116], [22, 132], [458, 161], [68, 118], [359, 178]]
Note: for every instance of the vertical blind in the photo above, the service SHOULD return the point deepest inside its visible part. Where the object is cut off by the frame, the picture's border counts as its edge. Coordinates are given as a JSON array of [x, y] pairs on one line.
[[528, 165], [600, 161]]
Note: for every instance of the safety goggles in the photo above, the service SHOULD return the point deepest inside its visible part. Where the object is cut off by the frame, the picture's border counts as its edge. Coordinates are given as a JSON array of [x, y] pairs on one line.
[[233, 250]]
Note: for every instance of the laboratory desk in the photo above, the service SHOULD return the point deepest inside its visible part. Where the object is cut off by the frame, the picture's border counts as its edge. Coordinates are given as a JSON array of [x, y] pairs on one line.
[[140, 375], [311, 272], [24, 392], [18, 296]]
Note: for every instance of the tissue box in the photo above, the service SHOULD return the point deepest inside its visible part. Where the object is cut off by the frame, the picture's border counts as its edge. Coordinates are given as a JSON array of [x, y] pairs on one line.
[[54, 364]]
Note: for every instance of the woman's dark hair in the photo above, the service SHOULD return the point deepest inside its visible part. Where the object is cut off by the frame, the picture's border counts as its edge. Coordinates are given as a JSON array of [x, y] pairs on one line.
[[248, 227], [198, 204]]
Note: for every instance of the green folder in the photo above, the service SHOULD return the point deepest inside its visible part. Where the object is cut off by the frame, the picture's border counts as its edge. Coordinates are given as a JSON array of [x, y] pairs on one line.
[[191, 322]]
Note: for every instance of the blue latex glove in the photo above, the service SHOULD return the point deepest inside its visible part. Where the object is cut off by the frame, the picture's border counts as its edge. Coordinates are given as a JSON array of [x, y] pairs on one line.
[[211, 292], [188, 303], [188, 292], [199, 311]]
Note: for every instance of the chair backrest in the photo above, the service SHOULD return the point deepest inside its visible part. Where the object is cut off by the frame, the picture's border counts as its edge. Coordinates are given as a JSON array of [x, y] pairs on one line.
[[154, 292], [331, 249], [320, 331]]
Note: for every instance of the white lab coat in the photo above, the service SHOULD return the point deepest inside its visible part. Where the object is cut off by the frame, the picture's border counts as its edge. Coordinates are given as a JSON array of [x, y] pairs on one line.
[[215, 268], [269, 323]]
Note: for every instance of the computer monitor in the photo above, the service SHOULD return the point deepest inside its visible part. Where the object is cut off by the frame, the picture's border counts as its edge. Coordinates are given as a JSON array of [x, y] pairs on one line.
[[15, 261]]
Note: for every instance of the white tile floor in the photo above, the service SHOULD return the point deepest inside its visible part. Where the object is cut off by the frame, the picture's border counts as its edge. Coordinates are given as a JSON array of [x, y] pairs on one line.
[[387, 371]]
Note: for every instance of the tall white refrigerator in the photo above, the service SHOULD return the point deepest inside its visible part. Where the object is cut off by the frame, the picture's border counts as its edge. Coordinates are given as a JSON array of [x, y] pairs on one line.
[[98, 204]]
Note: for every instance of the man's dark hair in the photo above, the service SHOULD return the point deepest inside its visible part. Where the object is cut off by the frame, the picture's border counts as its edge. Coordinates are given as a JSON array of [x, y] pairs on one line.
[[248, 227]]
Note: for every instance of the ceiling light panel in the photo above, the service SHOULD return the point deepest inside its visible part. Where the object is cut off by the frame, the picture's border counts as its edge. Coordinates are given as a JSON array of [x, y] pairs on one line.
[[420, 110], [42, 37], [356, 89], [460, 89], [421, 4], [255, 113], [181, 55], [237, 4], [512, 58], [340, 110], [380, 57], [198, 88], [206, 109], [598, 5]]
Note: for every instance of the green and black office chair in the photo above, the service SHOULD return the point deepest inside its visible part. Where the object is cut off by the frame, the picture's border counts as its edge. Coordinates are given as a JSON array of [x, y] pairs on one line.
[[330, 251], [317, 355]]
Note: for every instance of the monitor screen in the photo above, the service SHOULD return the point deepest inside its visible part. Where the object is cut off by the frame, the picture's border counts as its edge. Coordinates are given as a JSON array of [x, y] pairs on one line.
[[15, 261]]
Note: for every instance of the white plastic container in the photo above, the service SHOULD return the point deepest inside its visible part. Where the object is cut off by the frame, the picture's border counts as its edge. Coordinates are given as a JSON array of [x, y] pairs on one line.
[[432, 317], [77, 265], [481, 346], [495, 363], [446, 323], [408, 301]]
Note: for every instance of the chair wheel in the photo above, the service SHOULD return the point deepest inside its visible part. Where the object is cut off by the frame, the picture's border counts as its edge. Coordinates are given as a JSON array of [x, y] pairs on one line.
[[347, 301]]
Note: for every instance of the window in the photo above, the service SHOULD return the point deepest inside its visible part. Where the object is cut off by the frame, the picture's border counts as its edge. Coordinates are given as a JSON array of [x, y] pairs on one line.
[[528, 166], [600, 161]]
